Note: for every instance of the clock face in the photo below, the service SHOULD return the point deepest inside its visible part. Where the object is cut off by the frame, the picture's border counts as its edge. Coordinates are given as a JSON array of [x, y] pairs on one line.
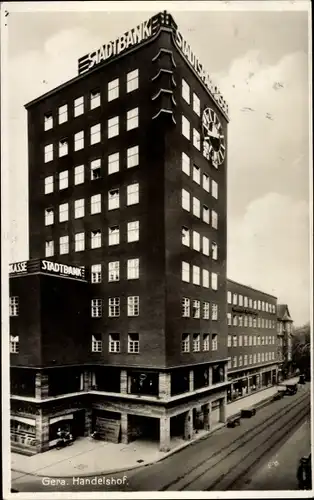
[[214, 140]]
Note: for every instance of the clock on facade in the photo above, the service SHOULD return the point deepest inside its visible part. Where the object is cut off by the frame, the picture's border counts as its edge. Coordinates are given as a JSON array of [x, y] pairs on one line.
[[214, 148]]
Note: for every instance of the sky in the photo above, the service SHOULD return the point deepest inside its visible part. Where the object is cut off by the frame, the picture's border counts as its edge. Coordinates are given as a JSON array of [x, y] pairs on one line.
[[259, 59]]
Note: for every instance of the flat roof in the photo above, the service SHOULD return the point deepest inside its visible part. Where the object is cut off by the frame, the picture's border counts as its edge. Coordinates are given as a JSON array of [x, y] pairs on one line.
[[251, 288]]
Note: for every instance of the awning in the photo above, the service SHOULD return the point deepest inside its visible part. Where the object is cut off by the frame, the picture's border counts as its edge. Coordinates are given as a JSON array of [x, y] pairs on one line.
[[63, 417], [24, 420]]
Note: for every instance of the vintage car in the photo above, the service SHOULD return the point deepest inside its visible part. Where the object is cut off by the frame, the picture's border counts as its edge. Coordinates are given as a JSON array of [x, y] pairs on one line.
[[304, 474], [291, 389]]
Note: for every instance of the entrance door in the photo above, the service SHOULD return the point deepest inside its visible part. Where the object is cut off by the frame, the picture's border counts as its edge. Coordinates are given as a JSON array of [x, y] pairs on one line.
[[78, 424], [215, 413]]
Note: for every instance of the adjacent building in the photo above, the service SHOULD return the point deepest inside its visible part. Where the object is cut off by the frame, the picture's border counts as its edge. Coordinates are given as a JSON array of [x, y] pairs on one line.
[[284, 336]]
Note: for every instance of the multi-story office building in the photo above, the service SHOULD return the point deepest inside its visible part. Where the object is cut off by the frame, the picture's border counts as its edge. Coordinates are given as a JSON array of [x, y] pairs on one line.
[[127, 177], [284, 341], [252, 339]]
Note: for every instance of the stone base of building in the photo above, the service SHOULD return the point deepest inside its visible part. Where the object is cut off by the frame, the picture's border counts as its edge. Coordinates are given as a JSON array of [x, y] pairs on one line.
[[246, 382]]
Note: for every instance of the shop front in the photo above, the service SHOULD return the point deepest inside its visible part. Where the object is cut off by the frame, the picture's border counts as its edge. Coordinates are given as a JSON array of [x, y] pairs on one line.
[[23, 433]]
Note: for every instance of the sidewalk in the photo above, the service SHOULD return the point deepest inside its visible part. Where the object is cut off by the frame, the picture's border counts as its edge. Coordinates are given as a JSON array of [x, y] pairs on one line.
[[89, 457]]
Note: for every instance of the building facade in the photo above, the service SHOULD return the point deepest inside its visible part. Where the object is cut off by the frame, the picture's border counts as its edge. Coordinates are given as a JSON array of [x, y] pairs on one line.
[[284, 340], [127, 178], [252, 340]]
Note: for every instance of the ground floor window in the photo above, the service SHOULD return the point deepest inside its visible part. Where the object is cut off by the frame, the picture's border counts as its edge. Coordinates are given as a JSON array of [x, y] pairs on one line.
[[23, 433], [143, 383]]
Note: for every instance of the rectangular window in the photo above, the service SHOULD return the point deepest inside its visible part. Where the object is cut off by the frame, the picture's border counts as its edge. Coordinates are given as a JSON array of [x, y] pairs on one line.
[[250, 340], [229, 298], [254, 358], [214, 189], [240, 340], [206, 342], [64, 245], [196, 342], [63, 147], [205, 245], [205, 278], [185, 342], [133, 269], [113, 163], [49, 184], [229, 341], [113, 199], [245, 359], [63, 113], [14, 344], [96, 239], [258, 357], [185, 272], [229, 319], [79, 242], [214, 281], [95, 133], [245, 340], [186, 162], [196, 275], [214, 251], [114, 271], [114, 307], [229, 364], [49, 216], [196, 174], [113, 235], [48, 121], [78, 106], [14, 306], [185, 236], [186, 91], [196, 207], [114, 342], [49, 248], [196, 139], [96, 274], [240, 360], [96, 343], [234, 362], [250, 303], [235, 341], [196, 309], [63, 212], [205, 310], [132, 119], [133, 343], [245, 302], [250, 321], [79, 208], [196, 241], [185, 200], [196, 105], [263, 357], [132, 80], [79, 140], [214, 219], [205, 214], [186, 127], [113, 90], [63, 179], [241, 300], [133, 306], [214, 342], [96, 308], [133, 194], [79, 175], [133, 230], [48, 153], [214, 312], [254, 340], [132, 157], [113, 127], [94, 99], [206, 182], [185, 307], [245, 320], [258, 340]]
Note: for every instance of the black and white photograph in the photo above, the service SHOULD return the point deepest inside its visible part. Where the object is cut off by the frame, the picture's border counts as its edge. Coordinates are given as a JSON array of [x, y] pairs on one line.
[[157, 327]]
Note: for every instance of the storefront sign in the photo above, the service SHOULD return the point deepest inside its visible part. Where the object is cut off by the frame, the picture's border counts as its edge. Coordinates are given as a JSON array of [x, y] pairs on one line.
[[244, 310], [18, 267], [62, 269]]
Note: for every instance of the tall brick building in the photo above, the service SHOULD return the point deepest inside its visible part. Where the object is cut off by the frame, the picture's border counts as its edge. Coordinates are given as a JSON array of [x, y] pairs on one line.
[[127, 179]]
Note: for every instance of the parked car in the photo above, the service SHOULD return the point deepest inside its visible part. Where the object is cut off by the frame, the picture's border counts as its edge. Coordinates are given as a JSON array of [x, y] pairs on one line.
[[304, 473], [291, 389], [302, 379]]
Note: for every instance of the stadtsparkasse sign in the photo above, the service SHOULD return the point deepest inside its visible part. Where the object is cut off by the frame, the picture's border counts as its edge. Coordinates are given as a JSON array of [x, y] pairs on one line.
[[18, 267]]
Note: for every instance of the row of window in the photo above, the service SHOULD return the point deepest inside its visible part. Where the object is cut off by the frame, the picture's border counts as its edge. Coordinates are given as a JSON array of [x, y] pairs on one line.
[[133, 305], [186, 94], [194, 341], [196, 209], [94, 136], [200, 179], [195, 311], [114, 343], [196, 243], [250, 359], [132, 83], [194, 276], [133, 271], [258, 305], [236, 340], [132, 192], [250, 321]]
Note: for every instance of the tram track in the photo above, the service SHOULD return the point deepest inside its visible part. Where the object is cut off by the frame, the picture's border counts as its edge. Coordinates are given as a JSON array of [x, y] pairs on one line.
[[215, 471]]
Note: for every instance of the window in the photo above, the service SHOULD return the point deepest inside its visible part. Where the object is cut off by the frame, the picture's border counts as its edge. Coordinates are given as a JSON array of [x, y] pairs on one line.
[[196, 309], [229, 341], [185, 164], [229, 364], [250, 303], [94, 99], [214, 219], [95, 133], [185, 236], [245, 340], [96, 343], [185, 200], [235, 341], [196, 342], [240, 340], [186, 272], [259, 305], [254, 358], [49, 184], [133, 231], [185, 342], [132, 119], [133, 306], [240, 360], [196, 275], [196, 207], [113, 163], [48, 153], [205, 245], [133, 194], [234, 362], [206, 182], [114, 342], [263, 357], [254, 304], [14, 306], [63, 212], [63, 113], [185, 307], [96, 308], [79, 140], [250, 321], [14, 344], [78, 106], [186, 127], [113, 199], [95, 204], [205, 310], [79, 175], [113, 271], [214, 189], [254, 322], [196, 139], [258, 357], [240, 300], [235, 299], [133, 269], [114, 307], [263, 305], [79, 208], [49, 216], [229, 298], [113, 127], [63, 179], [64, 245], [96, 275], [250, 340], [258, 340], [196, 241], [254, 340], [196, 105], [185, 91], [266, 356], [133, 343], [214, 312], [245, 301], [132, 157], [96, 238], [196, 174], [229, 319], [214, 281], [214, 342], [214, 251], [206, 342], [114, 235], [63, 147], [79, 242], [205, 278], [205, 214], [245, 359], [235, 320], [132, 80], [49, 248], [259, 322], [48, 121], [113, 89]]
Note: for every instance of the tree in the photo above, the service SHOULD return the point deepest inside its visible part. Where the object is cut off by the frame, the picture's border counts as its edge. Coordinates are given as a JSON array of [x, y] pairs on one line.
[[301, 349]]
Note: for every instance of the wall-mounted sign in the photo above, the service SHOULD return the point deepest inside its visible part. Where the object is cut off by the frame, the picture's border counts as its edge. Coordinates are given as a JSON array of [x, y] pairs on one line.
[[62, 269], [18, 267], [244, 310]]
